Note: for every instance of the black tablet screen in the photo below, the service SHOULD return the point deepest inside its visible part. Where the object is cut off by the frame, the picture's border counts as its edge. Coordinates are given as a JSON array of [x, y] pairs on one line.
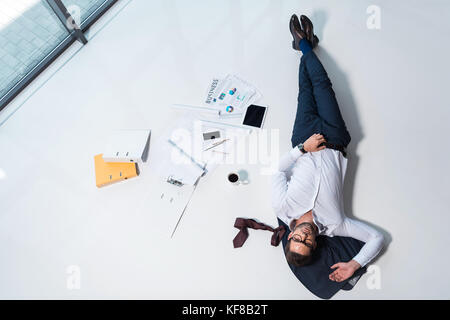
[[254, 116]]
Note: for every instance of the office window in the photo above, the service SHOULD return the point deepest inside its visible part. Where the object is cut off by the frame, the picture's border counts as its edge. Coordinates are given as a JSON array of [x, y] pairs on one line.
[[33, 33], [29, 31]]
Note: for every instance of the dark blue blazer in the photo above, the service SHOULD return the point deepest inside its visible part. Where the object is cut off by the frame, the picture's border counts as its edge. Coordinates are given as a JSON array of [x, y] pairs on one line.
[[329, 251]]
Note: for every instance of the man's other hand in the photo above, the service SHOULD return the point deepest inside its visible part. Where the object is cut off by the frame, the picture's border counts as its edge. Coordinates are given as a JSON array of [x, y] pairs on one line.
[[344, 270], [313, 142]]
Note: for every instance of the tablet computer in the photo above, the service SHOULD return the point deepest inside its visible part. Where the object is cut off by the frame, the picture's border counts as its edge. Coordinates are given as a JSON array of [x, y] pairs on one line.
[[255, 116]]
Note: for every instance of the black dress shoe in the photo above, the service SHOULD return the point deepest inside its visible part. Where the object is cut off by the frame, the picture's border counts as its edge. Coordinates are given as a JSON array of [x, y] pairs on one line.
[[296, 31], [308, 28]]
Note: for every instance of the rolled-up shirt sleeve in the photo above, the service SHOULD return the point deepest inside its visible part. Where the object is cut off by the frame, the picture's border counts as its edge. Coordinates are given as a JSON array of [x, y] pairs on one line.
[[374, 240], [280, 179]]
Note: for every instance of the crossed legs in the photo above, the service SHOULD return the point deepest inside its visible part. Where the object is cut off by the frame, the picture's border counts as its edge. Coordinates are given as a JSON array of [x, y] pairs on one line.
[[317, 109]]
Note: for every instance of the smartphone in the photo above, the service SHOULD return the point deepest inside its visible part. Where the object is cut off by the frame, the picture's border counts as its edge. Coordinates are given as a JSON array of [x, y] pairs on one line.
[[255, 116]]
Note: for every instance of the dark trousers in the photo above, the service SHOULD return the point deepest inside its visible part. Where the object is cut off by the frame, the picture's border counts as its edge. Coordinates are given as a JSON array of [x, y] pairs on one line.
[[317, 109]]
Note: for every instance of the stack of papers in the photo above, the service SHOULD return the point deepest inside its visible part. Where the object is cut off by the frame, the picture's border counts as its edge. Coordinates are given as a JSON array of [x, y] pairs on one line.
[[176, 155], [182, 154]]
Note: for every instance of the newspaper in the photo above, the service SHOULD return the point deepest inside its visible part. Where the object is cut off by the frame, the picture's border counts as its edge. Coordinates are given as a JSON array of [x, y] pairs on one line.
[[231, 95]]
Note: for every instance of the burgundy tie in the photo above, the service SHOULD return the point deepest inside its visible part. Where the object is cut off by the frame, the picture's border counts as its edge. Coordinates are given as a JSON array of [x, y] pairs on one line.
[[242, 224]]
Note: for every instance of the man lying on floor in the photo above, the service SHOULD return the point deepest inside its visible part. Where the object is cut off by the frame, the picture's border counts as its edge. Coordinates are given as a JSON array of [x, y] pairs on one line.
[[308, 188]]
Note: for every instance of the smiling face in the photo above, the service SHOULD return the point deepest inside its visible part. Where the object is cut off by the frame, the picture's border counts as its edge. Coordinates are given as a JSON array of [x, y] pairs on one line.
[[302, 239]]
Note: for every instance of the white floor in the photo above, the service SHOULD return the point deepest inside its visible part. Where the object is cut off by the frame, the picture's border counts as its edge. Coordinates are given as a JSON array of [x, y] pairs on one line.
[[391, 84]]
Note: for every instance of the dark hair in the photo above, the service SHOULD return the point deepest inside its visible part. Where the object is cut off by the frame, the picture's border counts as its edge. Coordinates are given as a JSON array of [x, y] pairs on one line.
[[296, 259]]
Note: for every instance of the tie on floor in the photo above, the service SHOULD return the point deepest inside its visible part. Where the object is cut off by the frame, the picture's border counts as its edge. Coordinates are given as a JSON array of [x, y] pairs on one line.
[[242, 224]]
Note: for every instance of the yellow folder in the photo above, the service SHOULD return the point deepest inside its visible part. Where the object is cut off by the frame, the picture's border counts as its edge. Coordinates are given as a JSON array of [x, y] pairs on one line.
[[110, 172]]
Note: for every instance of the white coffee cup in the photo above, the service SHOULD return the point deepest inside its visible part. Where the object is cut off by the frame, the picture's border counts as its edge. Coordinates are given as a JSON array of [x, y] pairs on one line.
[[236, 178]]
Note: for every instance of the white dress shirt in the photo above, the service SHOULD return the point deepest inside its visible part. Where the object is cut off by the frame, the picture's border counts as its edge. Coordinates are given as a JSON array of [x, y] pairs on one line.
[[315, 181]]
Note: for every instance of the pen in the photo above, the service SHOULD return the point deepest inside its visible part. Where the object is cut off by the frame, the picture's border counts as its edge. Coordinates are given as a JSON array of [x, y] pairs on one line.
[[216, 144]]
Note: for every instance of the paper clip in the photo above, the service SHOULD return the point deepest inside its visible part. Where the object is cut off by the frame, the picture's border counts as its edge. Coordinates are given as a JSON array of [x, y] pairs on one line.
[[175, 182]]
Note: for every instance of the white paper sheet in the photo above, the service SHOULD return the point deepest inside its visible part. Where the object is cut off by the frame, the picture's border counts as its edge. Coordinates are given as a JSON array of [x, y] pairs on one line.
[[176, 153], [231, 95]]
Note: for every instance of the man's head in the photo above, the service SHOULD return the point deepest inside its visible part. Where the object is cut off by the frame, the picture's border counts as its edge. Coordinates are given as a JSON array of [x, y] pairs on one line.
[[301, 244]]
